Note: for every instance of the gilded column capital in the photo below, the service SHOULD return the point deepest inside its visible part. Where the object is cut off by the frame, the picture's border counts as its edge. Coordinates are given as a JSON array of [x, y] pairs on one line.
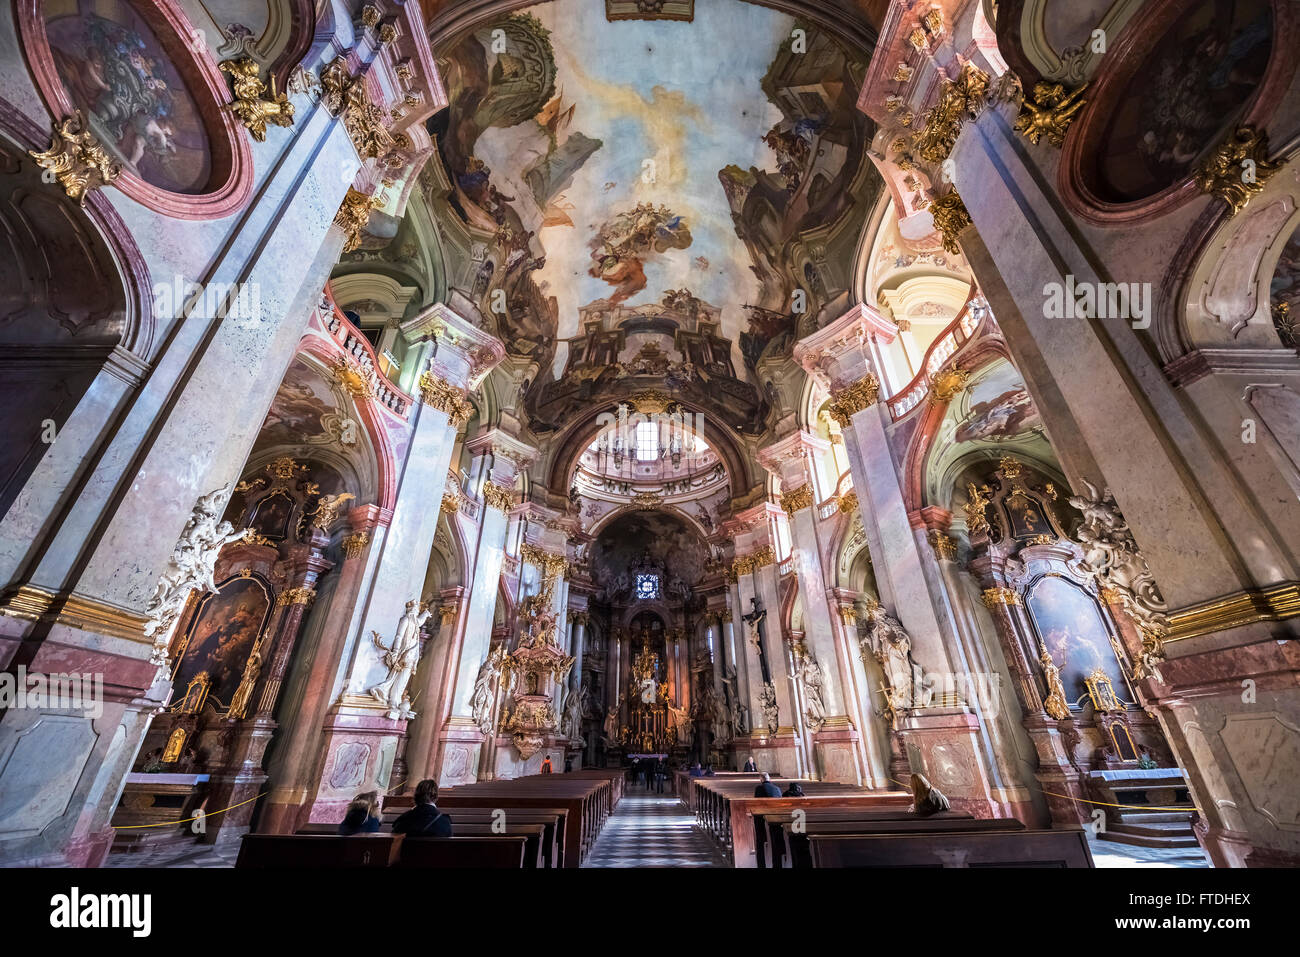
[[993, 597], [854, 398], [950, 218], [498, 497], [944, 545], [296, 596], [445, 397], [355, 544], [353, 215], [797, 499]]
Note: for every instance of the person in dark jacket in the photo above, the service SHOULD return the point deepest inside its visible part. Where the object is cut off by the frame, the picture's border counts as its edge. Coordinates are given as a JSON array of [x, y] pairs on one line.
[[766, 789], [750, 765], [424, 820], [795, 790], [362, 816]]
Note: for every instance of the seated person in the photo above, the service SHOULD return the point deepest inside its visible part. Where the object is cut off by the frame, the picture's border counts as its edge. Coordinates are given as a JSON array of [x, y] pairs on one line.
[[795, 790], [750, 765], [766, 789], [363, 815], [424, 820], [696, 770]]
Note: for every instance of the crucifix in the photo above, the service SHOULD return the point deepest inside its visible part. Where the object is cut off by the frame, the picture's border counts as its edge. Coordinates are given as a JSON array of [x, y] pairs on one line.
[[757, 633]]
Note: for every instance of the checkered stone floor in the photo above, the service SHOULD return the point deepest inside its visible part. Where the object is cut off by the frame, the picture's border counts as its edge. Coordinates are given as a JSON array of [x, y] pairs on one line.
[[652, 830], [183, 855]]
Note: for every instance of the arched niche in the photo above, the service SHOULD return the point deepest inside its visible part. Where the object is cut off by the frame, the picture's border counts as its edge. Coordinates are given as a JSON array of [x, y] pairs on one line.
[[162, 116], [75, 295]]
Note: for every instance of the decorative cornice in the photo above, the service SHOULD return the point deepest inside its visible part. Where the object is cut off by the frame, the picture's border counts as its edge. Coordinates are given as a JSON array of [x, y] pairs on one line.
[[498, 497], [854, 398]]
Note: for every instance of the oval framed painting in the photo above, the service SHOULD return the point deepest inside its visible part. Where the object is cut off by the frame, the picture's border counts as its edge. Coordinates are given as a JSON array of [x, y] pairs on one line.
[[141, 76], [1182, 76]]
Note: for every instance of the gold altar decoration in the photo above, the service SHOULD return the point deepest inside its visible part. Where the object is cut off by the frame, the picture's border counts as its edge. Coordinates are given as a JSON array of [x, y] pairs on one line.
[[249, 106], [195, 694], [849, 501], [355, 544], [1102, 692], [175, 743], [950, 218], [1055, 704], [1048, 111], [796, 499], [651, 401], [446, 398], [327, 510], [76, 159], [353, 215], [498, 497], [535, 673], [958, 100], [977, 500], [296, 596], [947, 383], [649, 729], [1238, 168], [944, 545], [854, 398], [992, 597]]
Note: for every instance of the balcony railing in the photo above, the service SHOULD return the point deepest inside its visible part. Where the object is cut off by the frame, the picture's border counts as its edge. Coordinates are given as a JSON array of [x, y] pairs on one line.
[[954, 336]]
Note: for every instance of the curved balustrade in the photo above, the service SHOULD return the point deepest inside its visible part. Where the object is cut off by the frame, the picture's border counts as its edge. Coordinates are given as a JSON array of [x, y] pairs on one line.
[[355, 344]]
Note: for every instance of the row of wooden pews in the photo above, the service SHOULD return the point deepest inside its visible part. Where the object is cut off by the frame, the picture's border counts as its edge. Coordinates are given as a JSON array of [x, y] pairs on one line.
[[841, 825], [541, 821]]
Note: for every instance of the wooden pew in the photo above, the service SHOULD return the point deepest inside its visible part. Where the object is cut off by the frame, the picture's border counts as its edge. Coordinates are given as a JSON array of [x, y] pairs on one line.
[[1047, 848], [797, 853], [542, 851], [500, 851], [317, 851]]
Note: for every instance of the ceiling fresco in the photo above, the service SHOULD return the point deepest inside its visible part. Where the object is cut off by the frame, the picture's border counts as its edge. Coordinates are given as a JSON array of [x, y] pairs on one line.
[[616, 163]]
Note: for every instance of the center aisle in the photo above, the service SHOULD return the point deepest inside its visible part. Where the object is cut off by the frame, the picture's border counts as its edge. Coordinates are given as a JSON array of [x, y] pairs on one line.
[[652, 830]]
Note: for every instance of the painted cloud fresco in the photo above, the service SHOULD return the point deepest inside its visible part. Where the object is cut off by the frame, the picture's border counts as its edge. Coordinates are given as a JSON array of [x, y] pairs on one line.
[[649, 163]]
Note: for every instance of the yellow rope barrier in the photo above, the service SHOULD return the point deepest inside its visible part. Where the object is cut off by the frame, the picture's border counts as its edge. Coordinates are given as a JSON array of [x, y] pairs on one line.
[[206, 814]]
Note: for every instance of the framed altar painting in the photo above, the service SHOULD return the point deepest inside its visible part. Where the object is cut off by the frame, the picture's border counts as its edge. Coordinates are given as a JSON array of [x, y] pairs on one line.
[[220, 637]]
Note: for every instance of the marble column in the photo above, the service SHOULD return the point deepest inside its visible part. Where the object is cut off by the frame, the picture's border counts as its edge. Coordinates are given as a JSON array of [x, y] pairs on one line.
[[945, 740], [498, 459], [837, 744]]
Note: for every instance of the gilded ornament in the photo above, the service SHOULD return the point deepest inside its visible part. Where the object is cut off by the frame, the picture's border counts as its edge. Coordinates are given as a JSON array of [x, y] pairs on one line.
[[1238, 168], [1049, 111], [993, 597], [498, 497], [647, 501], [977, 500], [796, 499], [959, 100], [950, 218], [357, 381], [849, 501], [446, 398], [353, 215], [76, 159], [248, 106], [355, 544], [945, 547], [854, 398], [296, 596], [947, 383], [450, 503]]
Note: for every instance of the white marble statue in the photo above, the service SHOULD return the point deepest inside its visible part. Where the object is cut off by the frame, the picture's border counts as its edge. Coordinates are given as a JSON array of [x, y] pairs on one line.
[[190, 567], [400, 658], [485, 689], [810, 676]]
